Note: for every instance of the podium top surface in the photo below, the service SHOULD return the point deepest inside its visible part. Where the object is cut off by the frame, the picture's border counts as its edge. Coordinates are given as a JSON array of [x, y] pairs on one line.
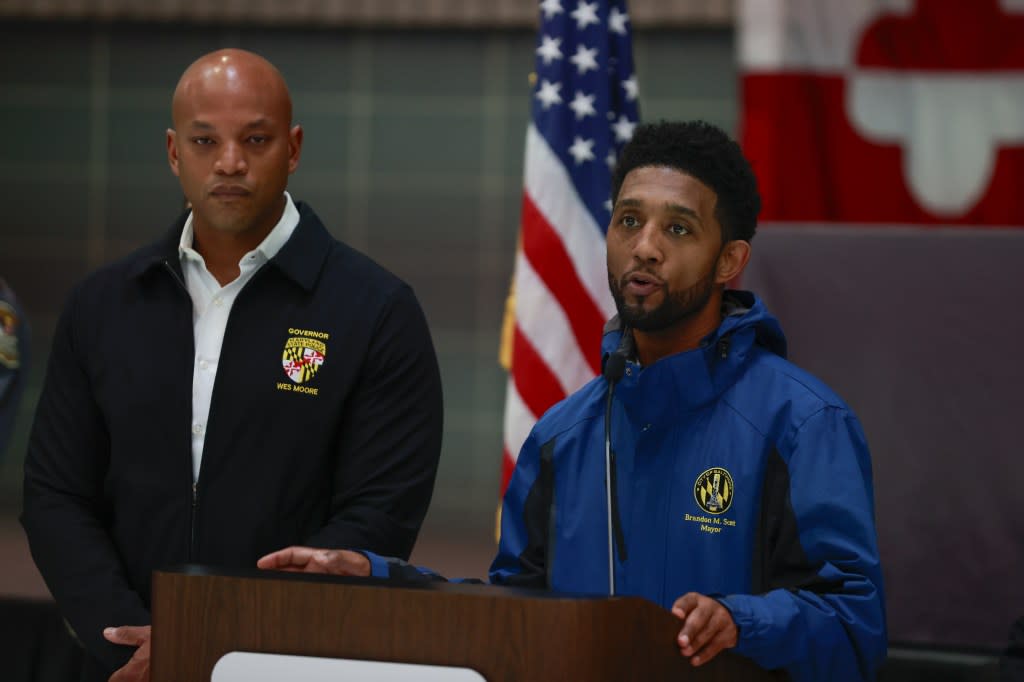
[[469, 588]]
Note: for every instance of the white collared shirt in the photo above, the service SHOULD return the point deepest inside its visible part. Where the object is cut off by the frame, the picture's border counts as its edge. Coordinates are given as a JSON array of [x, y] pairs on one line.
[[211, 306]]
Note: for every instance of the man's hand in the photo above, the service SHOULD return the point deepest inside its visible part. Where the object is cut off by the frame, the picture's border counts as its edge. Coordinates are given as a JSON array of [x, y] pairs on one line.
[[313, 560], [708, 627], [137, 668]]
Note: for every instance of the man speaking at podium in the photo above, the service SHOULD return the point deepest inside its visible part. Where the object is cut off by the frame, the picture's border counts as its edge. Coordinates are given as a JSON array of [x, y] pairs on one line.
[[244, 384], [742, 496]]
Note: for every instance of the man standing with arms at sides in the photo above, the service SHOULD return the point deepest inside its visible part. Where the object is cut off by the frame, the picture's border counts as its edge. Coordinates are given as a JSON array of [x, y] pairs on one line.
[[742, 495], [244, 384]]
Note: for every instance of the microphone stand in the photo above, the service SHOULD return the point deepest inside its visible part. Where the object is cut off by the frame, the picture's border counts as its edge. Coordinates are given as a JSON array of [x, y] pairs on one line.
[[614, 367]]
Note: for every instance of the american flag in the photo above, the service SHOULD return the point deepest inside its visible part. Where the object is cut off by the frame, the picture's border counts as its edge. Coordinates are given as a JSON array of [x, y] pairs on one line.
[[584, 108]]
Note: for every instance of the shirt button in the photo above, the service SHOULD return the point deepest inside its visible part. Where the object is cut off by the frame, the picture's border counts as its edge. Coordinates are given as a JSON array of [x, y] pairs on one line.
[[203, 364], [197, 429], [218, 302]]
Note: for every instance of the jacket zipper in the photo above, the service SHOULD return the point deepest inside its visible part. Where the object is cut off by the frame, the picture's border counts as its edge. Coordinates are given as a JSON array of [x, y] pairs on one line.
[[192, 523], [167, 264], [195, 484]]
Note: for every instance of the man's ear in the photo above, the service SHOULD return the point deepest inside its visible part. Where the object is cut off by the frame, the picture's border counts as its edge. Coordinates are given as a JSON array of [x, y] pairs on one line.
[[732, 261], [172, 150], [294, 147]]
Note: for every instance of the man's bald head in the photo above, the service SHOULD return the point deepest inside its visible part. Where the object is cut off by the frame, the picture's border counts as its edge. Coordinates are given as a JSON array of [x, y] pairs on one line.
[[230, 71], [233, 146]]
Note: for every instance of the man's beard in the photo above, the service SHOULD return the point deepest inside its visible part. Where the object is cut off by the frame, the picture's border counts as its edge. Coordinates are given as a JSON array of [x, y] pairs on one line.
[[676, 306]]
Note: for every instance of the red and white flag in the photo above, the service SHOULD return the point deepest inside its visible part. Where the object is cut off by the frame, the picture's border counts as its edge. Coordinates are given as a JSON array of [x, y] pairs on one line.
[[885, 111], [861, 116]]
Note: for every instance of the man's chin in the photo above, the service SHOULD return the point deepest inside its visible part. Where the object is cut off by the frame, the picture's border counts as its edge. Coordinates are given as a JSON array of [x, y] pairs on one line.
[[635, 317], [653, 320], [226, 222]]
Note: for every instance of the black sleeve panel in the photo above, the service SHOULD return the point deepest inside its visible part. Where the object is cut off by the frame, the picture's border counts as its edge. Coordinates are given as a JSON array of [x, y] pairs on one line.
[[779, 559], [539, 519]]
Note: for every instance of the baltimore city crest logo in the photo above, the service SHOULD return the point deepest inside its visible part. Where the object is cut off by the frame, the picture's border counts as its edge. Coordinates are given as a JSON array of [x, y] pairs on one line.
[[714, 490], [303, 355]]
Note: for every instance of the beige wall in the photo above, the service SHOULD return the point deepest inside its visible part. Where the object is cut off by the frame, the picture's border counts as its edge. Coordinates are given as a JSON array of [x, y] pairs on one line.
[[379, 13]]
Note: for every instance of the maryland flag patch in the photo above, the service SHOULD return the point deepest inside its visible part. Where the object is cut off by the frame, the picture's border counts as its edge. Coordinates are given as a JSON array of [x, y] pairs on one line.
[[9, 336], [303, 358], [714, 490]]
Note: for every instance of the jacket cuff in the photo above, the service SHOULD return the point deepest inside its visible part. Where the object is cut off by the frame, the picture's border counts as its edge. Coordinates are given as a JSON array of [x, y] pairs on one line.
[[379, 565], [752, 622]]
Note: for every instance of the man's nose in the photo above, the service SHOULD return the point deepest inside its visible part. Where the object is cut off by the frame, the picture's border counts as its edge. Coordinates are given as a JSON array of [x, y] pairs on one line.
[[646, 245], [232, 160]]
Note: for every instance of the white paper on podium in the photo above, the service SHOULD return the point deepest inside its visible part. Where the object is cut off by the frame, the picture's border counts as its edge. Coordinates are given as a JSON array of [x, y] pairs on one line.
[[243, 666]]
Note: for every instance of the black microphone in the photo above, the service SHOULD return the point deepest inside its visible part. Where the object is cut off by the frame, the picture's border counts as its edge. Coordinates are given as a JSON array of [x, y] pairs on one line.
[[614, 367], [615, 364]]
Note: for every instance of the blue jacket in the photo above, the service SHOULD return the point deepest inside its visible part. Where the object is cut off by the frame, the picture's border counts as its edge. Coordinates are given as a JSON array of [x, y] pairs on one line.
[[738, 475]]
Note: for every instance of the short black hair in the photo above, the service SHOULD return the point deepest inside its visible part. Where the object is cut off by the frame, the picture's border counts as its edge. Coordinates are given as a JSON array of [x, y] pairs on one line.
[[707, 153]]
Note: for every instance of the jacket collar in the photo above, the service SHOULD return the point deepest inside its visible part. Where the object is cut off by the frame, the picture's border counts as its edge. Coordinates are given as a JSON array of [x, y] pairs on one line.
[[691, 379], [303, 256], [300, 259]]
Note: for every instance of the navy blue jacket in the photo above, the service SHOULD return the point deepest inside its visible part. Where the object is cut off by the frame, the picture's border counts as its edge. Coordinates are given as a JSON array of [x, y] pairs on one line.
[[738, 475], [345, 458]]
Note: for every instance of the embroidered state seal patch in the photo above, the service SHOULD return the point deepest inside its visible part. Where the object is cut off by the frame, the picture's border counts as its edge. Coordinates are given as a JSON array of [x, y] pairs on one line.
[[303, 358]]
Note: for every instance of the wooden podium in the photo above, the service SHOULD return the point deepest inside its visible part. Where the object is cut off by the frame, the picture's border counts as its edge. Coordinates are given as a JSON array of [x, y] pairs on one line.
[[504, 634]]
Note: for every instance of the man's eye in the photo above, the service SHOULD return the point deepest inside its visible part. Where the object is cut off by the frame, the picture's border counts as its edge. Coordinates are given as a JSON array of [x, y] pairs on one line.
[[257, 139], [679, 230], [630, 221], [202, 141]]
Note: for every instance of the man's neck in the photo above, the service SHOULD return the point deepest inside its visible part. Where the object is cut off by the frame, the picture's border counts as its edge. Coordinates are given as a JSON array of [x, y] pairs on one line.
[[222, 251], [683, 336]]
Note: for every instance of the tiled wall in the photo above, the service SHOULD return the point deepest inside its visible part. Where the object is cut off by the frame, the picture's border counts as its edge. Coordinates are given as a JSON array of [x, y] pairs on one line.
[[413, 153]]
